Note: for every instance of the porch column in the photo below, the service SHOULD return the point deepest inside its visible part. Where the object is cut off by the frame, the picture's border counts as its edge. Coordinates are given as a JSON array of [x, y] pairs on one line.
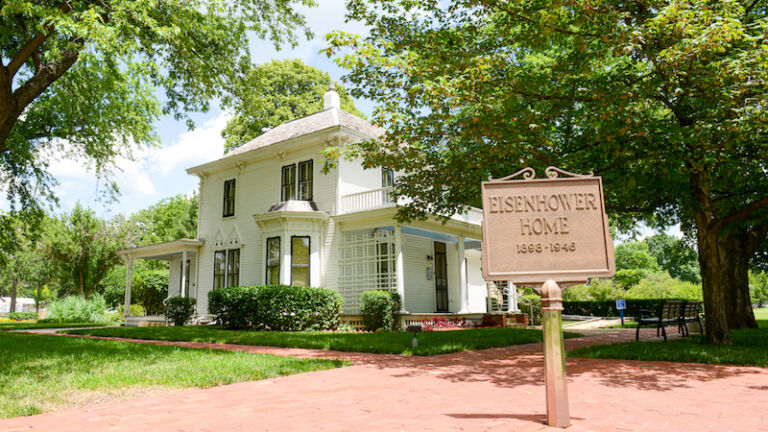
[[399, 268], [128, 280], [285, 259], [463, 290], [512, 303], [182, 291]]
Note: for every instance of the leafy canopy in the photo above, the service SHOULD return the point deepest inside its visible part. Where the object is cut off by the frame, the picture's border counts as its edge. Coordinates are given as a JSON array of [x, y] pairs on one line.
[[276, 92], [87, 79]]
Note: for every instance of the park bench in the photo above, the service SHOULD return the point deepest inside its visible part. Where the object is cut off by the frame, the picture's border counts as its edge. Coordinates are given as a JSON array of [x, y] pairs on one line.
[[668, 313], [691, 313]]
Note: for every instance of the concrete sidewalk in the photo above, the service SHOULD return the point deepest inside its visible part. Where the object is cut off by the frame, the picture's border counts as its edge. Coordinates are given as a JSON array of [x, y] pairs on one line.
[[495, 389]]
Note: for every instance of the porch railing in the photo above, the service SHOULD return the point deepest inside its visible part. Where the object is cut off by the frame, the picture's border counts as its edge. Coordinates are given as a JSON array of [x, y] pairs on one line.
[[368, 200]]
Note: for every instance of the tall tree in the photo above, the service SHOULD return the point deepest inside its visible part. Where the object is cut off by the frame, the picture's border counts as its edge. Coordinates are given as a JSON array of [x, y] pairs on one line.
[[83, 248], [276, 92], [666, 99], [169, 219], [83, 78], [675, 256]]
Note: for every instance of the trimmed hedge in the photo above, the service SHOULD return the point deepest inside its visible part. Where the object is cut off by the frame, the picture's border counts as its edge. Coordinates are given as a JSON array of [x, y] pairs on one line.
[[380, 310], [607, 308], [21, 316], [276, 307], [179, 310]]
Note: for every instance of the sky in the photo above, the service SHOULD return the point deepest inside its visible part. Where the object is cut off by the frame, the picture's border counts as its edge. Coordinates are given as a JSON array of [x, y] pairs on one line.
[[159, 172]]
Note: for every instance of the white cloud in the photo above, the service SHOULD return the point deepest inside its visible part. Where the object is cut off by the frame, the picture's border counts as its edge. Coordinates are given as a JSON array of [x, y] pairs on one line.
[[194, 147]]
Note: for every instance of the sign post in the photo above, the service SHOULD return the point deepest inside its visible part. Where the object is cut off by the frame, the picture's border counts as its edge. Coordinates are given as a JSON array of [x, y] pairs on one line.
[[620, 306], [546, 233]]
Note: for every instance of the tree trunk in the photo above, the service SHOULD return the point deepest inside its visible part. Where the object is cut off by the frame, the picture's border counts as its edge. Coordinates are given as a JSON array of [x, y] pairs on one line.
[[735, 253], [14, 285], [37, 299]]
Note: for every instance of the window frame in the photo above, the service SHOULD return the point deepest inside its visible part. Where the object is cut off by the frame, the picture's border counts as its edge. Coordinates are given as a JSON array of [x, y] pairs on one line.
[[308, 265], [387, 177], [233, 267], [300, 181], [215, 268], [283, 184], [267, 279], [225, 212]]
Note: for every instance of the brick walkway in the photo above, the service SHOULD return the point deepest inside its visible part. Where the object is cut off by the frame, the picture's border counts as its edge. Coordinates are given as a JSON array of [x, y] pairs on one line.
[[496, 389]]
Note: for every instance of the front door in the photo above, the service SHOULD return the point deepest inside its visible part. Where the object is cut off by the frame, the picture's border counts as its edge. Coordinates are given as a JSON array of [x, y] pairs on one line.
[[441, 278]]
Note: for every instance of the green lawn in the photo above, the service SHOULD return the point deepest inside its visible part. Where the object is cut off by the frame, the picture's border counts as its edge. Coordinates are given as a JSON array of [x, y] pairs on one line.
[[430, 343], [42, 373], [749, 348], [28, 325]]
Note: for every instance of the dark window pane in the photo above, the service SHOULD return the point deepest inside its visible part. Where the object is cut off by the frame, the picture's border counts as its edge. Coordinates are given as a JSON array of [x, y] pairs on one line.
[[229, 198], [387, 177]]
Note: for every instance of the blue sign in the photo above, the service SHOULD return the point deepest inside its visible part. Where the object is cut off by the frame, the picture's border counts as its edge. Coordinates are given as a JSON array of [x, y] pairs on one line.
[[621, 304]]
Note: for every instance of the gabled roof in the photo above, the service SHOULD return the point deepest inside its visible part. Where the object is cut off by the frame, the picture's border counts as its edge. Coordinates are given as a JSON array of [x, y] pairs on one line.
[[324, 120], [312, 123]]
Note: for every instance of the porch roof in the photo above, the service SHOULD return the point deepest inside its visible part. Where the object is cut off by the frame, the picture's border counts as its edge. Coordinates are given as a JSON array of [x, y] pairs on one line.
[[163, 251]]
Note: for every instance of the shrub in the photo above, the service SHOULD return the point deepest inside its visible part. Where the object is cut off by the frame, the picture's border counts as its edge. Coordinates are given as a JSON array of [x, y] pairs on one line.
[[136, 310], [21, 316], [151, 290], [179, 310], [77, 309], [380, 310], [276, 307]]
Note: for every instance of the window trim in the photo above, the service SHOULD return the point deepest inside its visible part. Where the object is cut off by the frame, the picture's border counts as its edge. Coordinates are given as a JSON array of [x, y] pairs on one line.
[[279, 261], [226, 199], [309, 258]]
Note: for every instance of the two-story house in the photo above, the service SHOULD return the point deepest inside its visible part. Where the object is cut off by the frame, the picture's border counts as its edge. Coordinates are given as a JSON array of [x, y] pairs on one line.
[[269, 215]]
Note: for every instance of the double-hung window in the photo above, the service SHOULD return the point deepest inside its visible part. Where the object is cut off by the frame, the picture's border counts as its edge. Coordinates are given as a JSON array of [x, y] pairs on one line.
[[296, 184], [299, 261], [229, 198], [226, 268], [387, 178], [273, 261]]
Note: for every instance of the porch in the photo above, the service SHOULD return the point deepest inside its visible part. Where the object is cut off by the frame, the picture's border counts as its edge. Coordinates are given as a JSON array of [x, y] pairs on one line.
[[182, 256]]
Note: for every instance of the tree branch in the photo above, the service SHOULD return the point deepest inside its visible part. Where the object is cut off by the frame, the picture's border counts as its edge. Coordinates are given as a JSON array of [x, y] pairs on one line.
[[744, 212], [31, 47], [47, 74]]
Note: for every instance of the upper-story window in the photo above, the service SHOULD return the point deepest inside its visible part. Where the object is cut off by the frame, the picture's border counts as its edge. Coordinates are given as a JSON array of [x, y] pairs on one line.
[[229, 198], [297, 186], [387, 178]]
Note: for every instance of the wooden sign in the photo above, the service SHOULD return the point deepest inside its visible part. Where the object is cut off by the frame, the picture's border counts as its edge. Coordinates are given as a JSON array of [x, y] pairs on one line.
[[540, 229]]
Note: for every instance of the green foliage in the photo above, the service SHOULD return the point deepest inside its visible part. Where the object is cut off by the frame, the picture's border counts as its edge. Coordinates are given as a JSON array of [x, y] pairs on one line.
[[430, 343], [77, 309], [86, 79], [180, 309], [169, 219], [665, 101], [597, 289], [46, 373], [662, 285], [135, 310], [274, 93], [758, 287], [380, 310], [749, 348], [633, 263], [83, 248], [276, 307], [675, 257], [151, 288], [21, 316]]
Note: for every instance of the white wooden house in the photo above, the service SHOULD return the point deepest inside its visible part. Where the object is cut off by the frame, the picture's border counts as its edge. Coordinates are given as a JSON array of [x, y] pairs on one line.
[[269, 215]]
